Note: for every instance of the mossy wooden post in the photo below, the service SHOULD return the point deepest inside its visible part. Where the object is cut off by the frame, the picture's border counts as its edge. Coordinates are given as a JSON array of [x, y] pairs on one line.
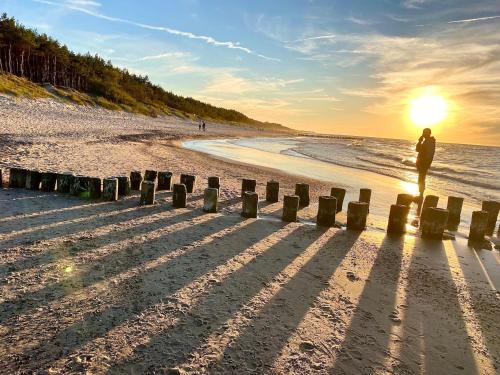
[[404, 200], [398, 217], [429, 202], [338, 193], [123, 186], [272, 191], [214, 182], [33, 180], [248, 185], [189, 181], [210, 200], [164, 181], [147, 193], [454, 207], [250, 208], [64, 181], [478, 226], [179, 196], [492, 207], [79, 186], [357, 212], [49, 180], [433, 222], [110, 189], [302, 191], [135, 180], [327, 209], [290, 208], [150, 175], [74, 187], [95, 188], [365, 195]]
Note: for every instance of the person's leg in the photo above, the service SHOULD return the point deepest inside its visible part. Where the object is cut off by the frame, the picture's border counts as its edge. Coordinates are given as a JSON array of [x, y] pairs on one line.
[[422, 173]]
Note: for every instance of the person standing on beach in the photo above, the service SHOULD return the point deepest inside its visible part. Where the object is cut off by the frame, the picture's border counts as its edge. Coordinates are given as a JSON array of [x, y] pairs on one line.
[[199, 125], [426, 146], [204, 126]]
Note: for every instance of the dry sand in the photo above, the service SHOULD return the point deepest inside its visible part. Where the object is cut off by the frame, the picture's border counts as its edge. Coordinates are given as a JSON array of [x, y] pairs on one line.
[[93, 287]]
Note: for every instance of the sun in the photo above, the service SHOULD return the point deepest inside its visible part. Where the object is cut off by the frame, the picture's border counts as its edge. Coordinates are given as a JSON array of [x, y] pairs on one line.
[[428, 110]]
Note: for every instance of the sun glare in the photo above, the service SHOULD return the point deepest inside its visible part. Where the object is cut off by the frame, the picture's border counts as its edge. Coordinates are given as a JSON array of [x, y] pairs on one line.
[[428, 110]]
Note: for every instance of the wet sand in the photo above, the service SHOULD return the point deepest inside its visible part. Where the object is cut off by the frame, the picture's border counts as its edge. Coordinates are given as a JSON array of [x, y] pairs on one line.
[[96, 287]]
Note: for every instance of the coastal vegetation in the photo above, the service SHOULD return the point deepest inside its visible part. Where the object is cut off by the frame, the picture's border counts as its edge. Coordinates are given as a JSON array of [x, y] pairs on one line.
[[48, 68]]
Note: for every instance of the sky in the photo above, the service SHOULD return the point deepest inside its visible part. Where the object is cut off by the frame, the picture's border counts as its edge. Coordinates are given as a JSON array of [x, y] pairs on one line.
[[330, 66]]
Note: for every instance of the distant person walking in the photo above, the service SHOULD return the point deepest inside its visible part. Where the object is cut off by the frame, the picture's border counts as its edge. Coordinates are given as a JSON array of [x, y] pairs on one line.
[[426, 146], [204, 126], [199, 125]]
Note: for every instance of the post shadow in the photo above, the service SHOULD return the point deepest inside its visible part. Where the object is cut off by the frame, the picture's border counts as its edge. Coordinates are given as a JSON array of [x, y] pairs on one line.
[[144, 290]]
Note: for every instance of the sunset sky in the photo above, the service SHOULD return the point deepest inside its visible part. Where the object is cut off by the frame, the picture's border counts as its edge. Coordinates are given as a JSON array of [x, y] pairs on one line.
[[347, 67]]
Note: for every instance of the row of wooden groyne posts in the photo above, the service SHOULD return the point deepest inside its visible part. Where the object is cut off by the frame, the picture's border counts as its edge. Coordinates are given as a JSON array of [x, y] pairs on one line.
[[433, 220]]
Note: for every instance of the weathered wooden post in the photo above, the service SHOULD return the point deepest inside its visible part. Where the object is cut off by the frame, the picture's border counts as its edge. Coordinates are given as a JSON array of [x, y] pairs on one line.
[[95, 187], [454, 207], [135, 180], [214, 182], [164, 181], [33, 180], [338, 193], [492, 207], [430, 201], [189, 181], [110, 189], [210, 200], [290, 208], [17, 177], [327, 209], [79, 185], [302, 191], [64, 181], [248, 185], [398, 218], [179, 196], [250, 207], [478, 226], [48, 182], [404, 199], [123, 185], [147, 193], [365, 195], [433, 222], [13, 177], [272, 191], [357, 213], [1, 179], [150, 175]]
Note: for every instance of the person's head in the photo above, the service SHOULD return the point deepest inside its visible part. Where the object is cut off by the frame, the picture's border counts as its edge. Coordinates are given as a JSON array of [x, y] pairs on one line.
[[426, 133]]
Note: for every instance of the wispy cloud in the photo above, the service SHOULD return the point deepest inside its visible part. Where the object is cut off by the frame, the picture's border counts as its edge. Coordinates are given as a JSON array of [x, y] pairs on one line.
[[319, 37], [469, 20], [207, 39], [359, 21]]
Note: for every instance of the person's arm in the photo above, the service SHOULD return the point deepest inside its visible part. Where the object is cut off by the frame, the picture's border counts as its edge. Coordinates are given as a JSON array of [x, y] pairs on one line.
[[418, 147]]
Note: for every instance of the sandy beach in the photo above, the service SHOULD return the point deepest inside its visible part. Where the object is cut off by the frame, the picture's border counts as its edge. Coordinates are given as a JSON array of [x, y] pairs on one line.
[[99, 287]]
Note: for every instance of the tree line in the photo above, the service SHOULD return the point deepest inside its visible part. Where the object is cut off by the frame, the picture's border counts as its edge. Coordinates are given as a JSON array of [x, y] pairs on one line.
[[41, 59]]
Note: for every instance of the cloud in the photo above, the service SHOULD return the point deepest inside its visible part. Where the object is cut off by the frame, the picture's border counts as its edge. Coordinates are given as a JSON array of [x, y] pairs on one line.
[[414, 4], [83, 3], [207, 39], [469, 20], [230, 83], [359, 21], [319, 37]]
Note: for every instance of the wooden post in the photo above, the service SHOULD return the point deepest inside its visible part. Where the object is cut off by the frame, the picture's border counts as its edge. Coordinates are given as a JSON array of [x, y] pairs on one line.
[[79, 185], [48, 181], [17, 177], [64, 181], [290, 208], [248, 185], [123, 185], [250, 207], [430, 201], [433, 222], [338, 193], [454, 207], [365, 195], [326, 211], [179, 196], [95, 188], [398, 218], [210, 200], [302, 191], [214, 182], [478, 226], [405, 200], [135, 180], [357, 213], [110, 189], [33, 180], [150, 176], [189, 181], [1, 179], [164, 181], [492, 207], [272, 191], [13, 177], [147, 193]]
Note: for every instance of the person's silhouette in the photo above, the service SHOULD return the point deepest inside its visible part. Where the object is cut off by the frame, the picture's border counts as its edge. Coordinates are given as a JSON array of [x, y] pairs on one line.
[[426, 146]]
